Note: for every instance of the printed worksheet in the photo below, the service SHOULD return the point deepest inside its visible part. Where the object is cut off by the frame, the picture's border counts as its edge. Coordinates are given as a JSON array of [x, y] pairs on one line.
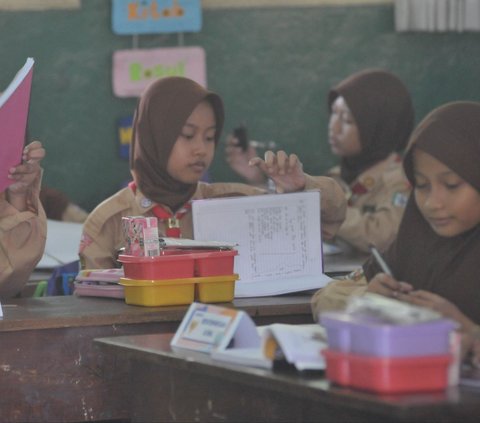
[[278, 236]]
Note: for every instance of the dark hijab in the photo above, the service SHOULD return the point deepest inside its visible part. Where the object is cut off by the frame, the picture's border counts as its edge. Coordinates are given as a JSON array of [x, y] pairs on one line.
[[161, 112], [445, 266], [383, 112]]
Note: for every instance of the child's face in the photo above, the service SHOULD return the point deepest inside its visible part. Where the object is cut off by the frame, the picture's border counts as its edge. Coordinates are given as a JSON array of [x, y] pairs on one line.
[[193, 151], [449, 204], [343, 135]]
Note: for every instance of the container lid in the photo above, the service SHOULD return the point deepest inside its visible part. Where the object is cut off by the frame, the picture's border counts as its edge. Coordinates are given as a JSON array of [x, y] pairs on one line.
[[343, 319], [171, 256]]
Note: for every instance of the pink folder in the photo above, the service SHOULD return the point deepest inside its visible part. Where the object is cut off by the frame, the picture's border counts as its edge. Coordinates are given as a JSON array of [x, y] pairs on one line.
[[14, 103]]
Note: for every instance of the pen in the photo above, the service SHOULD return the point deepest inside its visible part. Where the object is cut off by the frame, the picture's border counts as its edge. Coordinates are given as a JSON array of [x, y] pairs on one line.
[[380, 260]]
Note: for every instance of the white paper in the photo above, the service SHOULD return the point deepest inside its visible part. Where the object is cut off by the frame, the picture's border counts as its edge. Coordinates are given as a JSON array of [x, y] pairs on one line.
[[63, 241], [244, 356], [302, 345], [278, 236], [330, 249]]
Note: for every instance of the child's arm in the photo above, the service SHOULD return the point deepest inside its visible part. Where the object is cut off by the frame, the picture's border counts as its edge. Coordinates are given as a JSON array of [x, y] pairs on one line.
[[387, 286], [238, 159], [285, 170], [23, 224], [287, 173], [439, 304], [26, 176], [335, 296]]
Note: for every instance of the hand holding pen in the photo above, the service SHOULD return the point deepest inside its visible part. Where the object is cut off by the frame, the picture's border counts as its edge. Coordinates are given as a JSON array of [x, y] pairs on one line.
[[384, 283]]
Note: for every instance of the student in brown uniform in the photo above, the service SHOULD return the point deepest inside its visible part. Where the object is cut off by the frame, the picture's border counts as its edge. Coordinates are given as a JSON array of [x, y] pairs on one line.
[[23, 224], [371, 118], [434, 258], [176, 128]]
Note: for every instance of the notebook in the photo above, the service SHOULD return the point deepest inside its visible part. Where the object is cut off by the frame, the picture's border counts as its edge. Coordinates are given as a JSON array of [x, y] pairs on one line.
[[278, 236], [14, 103]]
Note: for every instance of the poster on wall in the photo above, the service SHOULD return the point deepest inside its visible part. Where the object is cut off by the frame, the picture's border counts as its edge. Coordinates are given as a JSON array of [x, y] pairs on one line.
[[156, 16], [133, 70]]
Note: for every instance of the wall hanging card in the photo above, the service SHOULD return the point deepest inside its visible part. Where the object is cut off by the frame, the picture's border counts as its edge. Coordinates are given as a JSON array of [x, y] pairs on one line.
[[207, 327], [14, 103], [133, 70], [156, 16]]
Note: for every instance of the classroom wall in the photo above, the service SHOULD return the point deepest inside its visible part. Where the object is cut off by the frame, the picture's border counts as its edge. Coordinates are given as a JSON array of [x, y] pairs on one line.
[[272, 66]]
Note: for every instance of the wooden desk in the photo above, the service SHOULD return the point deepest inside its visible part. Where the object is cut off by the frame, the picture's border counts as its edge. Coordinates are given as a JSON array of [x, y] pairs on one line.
[[50, 370], [168, 386], [345, 262]]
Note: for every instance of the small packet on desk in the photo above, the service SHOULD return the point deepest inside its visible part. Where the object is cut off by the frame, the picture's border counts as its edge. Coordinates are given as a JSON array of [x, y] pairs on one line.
[[141, 236]]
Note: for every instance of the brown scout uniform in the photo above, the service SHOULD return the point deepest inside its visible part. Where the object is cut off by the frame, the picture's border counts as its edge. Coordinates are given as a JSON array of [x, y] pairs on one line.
[[22, 242], [376, 202], [102, 234]]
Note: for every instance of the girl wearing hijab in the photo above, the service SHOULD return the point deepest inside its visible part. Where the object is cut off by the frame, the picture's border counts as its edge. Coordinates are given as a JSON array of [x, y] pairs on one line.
[[371, 118], [176, 128], [434, 258]]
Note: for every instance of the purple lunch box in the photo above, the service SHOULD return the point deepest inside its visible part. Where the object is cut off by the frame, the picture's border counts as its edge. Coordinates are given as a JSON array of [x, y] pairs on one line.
[[367, 336]]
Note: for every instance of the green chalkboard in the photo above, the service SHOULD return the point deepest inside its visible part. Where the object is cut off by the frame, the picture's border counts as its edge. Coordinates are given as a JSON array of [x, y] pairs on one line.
[[273, 67]]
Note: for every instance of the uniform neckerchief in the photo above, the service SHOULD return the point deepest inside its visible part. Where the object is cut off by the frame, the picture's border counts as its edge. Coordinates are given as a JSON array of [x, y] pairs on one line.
[[171, 220]]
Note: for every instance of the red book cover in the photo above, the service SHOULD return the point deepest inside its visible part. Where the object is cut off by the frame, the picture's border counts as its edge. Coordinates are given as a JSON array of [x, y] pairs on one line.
[[14, 103]]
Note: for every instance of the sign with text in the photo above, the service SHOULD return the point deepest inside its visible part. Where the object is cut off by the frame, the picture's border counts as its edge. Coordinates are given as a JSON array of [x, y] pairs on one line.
[[206, 328], [156, 16], [133, 70]]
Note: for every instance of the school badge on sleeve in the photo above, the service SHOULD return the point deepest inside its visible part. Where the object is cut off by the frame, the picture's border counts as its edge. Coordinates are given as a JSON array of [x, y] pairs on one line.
[[399, 199]]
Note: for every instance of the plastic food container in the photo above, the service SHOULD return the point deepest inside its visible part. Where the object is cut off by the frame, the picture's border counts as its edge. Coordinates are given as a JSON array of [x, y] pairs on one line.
[[173, 264], [347, 333], [166, 292], [154, 293], [388, 375], [169, 265], [214, 263], [215, 289]]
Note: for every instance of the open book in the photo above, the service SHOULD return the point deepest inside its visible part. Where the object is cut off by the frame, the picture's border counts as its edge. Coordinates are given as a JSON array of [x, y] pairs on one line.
[[298, 345], [14, 103], [231, 336], [278, 236]]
